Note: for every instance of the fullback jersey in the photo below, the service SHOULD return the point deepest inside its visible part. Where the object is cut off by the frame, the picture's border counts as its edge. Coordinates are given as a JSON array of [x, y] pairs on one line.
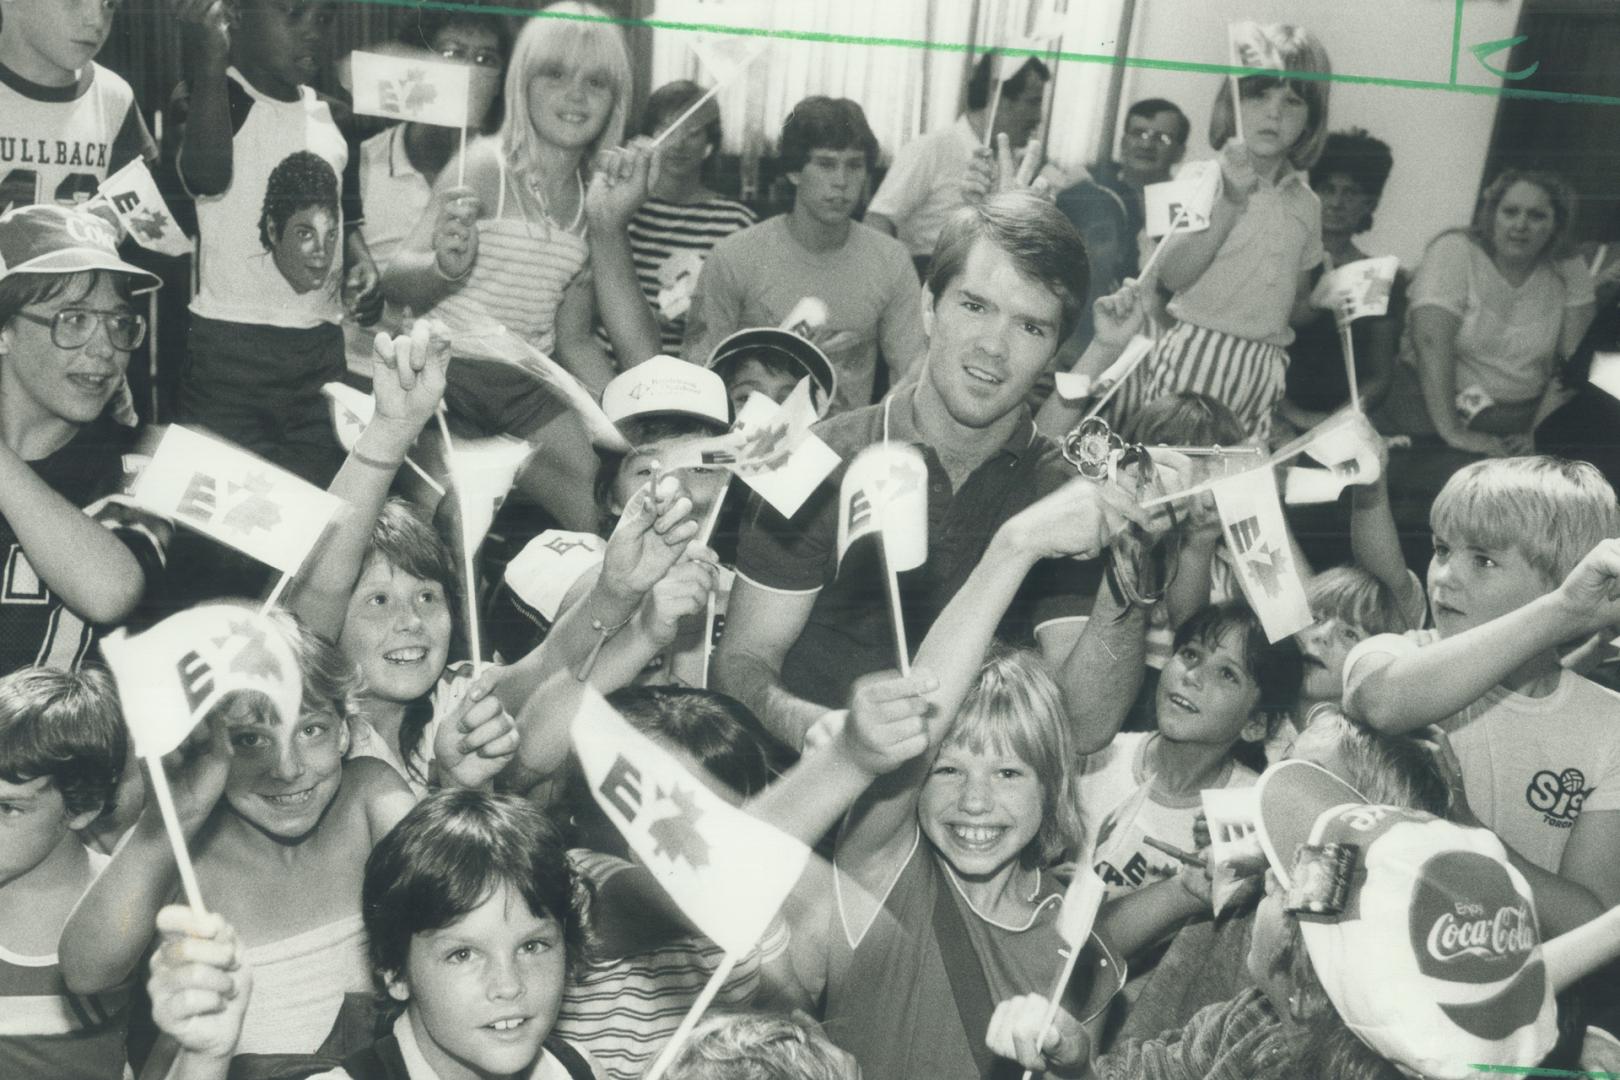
[[57, 143]]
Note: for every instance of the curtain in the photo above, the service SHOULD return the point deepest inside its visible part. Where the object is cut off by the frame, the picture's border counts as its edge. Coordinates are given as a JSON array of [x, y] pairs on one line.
[[905, 89]]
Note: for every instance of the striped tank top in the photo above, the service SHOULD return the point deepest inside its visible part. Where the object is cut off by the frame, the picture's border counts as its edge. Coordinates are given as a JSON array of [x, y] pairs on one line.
[[519, 277]]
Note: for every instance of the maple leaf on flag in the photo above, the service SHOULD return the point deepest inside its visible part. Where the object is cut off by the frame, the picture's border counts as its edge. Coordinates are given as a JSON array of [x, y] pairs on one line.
[[148, 224], [677, 835], [1269, 564], [256, 511], [419, 93], [253, 656], [903, 480]]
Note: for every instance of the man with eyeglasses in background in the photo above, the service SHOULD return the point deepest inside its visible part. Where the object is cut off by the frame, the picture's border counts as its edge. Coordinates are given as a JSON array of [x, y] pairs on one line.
[[398, 166], [73, 563], [1154, 139]]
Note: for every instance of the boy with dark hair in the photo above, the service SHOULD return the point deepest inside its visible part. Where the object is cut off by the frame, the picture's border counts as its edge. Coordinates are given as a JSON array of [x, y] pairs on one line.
[[757, 276], [769, 360], [261, 344], [923, 186], [66, 122], [62, 750]]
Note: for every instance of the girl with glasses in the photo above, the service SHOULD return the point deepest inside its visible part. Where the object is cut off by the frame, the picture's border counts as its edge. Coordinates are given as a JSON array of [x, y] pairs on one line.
[[67, 326]]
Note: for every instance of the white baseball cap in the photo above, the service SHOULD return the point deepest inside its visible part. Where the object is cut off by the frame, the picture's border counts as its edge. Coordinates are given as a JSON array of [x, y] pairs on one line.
[[663, 384]]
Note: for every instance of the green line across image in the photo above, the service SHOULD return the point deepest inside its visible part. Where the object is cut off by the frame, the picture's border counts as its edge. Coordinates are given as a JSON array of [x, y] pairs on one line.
[[1144, 62]]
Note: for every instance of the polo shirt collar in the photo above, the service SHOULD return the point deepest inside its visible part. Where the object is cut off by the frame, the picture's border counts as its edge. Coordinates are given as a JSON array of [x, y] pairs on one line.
[[899, 420], [399, 163]]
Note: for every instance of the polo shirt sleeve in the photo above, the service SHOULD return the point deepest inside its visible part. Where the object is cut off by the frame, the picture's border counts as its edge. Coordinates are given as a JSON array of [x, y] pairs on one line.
[[1313, 253], [1442, 277], [797, 556]]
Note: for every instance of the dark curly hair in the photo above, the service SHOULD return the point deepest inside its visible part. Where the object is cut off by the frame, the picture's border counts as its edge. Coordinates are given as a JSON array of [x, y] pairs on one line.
[[824, 123], [1365, 160], [299, 180], [65, 726]]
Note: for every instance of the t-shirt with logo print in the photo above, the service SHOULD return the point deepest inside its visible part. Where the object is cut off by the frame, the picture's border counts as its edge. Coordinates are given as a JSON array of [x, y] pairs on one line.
[[58, 143], [1531, 765]]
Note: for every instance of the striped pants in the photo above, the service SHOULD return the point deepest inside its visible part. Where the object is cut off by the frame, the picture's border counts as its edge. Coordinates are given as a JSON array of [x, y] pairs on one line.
[[1245, 376]]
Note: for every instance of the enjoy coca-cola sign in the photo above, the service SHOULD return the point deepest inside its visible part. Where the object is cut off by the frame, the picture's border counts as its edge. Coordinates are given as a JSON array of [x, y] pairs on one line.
[[1468, 922]]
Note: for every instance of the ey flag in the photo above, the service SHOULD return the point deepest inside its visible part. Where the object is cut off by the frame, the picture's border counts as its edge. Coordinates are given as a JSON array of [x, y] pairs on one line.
[[352, 410], [1346, 443], [726, 58], [1080, 903], [885, 491], [1253, 46], [234, 497], [728, 871], [170, 676], [484, 471], [411, 88], [1191, 196], [134, 197], [1258, 539], [1357, 289]]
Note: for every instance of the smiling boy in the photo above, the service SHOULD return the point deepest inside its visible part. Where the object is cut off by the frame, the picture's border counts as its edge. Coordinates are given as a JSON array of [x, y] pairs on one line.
[[757, 276]]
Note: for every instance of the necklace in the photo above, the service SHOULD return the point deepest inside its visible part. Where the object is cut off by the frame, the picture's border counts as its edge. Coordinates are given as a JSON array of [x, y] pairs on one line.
[[535, 189]]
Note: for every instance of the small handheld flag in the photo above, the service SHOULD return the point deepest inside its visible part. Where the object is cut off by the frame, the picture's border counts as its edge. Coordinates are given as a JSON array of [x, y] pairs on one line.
[[352, 410], [1234, 843], [497, 343], [1081, 902], [234, 497], [724, 58], [1346, 443], [1257, 536], [411, 88], [1185, 203], [134, 197], [172, 675], [885, 491]]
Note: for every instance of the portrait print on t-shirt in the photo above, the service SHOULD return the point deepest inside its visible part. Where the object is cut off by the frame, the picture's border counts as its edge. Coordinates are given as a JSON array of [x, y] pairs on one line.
[[301, 222]]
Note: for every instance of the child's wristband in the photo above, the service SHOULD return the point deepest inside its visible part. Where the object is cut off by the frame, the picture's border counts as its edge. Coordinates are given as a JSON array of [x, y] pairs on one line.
[[375, 463], [603, 632]]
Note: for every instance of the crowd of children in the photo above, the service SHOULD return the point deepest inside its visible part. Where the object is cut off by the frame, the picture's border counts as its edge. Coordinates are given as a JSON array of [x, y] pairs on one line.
[[409, 876]]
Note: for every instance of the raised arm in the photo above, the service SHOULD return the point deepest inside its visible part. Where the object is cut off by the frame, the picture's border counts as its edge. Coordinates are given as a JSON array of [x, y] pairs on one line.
[[407, 375], [439, 253], [761, 626], [1398, 694], [1117, 318], [205, 147], [1375, 545], [620, 181], [1188, 254]]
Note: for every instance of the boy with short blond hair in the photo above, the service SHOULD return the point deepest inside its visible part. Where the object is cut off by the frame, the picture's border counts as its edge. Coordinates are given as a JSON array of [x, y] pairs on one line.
[[1536, 747], [62, 751]]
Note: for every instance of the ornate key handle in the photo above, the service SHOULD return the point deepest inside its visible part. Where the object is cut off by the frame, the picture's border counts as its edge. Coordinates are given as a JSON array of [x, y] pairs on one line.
[[1140, 565]]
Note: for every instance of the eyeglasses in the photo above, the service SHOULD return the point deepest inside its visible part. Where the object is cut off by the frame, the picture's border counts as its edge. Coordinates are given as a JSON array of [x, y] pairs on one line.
[[72, 328], [1148, 135], [484, 58]]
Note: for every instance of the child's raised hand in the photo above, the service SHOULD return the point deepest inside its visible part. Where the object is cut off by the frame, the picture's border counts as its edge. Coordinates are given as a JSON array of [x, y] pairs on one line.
[[478, 739], [620, 181], [199, 983], [1590, 594], [887, 724], [1018, 1031], [989, 174], [1238, 178], [652, 534], [1120, 315], [455, 232], [207, 31], [408, 373], [681, 593]]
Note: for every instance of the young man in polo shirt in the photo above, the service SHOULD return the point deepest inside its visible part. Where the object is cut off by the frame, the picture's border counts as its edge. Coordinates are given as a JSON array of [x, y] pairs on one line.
[[1003, 292]]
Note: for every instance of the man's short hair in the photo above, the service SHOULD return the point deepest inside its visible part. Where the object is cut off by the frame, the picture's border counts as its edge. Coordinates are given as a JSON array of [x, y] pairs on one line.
[[1550, 510], [824, 123], [979, 84], [1042, 243], [1148, 108]]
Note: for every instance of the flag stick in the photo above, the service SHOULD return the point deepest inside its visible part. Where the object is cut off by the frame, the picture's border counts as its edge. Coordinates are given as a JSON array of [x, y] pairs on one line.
[[1052, 1002], [902, 653], [703, 537], [426, 479], [1181, 216], [177, 839], [1119, 382], [467, 553], [461, 165], [1597, 260], [1349, 360], [990, 119], [152, 350], [691, 111], [693, 1015], [1237, 110], [275, 594]]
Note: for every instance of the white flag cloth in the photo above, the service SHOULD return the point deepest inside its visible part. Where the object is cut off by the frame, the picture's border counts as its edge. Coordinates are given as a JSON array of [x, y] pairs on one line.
[[885, 491], [1011, 57], [1605, 373], [1257, 536], [770, 448], [352, 410], [134, 197], [1192, 192], [497, 343], [483, 472], [1252, 46], [235, 497], [727, 870], [1081, 900], [1307, 487], [1346, 443], [170, 676], [726, 58], [1234, 842], [1357, 289], [411, 88]]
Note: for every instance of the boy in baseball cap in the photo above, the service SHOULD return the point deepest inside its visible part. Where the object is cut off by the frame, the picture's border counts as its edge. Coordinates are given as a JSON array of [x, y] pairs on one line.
[[770, 360], [67, 326]]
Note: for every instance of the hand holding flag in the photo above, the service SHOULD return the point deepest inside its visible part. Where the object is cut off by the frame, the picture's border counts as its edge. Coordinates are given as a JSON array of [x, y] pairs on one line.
[[1357, 289], [1257, 536], [1081, 902], [1234, 843], [885, 491], [411, 88], [726, 59], [170, 677], [1347, 444], [1185, 203]]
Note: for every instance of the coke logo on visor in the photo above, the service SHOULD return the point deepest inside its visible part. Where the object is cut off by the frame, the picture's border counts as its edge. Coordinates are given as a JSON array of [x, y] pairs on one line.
[[1468, 923]]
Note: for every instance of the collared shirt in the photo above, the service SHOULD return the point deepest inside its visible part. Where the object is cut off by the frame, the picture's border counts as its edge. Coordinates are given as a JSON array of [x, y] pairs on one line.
[[394, 192], [1248, 289], [417, 1067], [848, 632]]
